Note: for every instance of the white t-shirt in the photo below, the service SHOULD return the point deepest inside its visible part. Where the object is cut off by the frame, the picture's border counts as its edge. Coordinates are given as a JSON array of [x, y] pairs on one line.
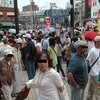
[[47, 84], [92, 56]]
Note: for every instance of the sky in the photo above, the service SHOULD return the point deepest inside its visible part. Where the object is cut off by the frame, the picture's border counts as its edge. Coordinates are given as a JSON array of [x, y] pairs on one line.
[[43, 4]]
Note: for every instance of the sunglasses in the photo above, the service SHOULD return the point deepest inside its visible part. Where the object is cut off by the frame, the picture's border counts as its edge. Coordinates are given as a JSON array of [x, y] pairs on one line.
[[84, 46], [9, 55], [42, 61]]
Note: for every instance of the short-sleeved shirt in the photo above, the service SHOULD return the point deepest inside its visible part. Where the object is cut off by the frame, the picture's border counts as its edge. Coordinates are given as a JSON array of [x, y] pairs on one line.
[[44, 43], [78, 67], [52, 52], [92, 56]]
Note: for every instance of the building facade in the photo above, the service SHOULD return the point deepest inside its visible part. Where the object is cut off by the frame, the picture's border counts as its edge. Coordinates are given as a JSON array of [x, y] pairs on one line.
[[79, 6], [94, 8], [7, 11]]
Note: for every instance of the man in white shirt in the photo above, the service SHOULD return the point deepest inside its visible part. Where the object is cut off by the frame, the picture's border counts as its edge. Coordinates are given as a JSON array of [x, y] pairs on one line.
[[5, 46], [93, 54]]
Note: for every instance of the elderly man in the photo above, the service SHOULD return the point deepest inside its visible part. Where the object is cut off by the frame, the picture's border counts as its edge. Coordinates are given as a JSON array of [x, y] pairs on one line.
[[77, 72], [7, 73], [94, 56]]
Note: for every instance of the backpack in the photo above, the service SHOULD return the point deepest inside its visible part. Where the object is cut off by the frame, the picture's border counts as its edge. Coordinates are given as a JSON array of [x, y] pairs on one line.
[[33, 51]]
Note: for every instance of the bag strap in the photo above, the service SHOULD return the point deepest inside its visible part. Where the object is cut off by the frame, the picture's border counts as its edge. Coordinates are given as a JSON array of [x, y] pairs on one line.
[[95, 60], [53, 50]]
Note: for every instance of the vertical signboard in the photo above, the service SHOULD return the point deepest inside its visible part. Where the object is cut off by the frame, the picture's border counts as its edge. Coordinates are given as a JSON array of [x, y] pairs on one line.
[[48, 22], [98, 17], [89, 3]]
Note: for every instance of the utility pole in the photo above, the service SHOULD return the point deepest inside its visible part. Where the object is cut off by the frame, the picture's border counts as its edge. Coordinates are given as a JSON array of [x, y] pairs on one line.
[[32, 12], [72, 18], [16, 16]]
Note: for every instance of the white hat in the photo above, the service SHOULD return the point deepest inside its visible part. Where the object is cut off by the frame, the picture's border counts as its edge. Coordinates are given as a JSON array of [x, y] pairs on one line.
[[19, 40], [4, 39], [80, 43], [8, 52], [97, 38], [27, 36]]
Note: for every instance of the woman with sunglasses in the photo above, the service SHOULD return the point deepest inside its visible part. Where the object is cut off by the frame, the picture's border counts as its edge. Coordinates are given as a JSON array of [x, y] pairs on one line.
[[47, 80]]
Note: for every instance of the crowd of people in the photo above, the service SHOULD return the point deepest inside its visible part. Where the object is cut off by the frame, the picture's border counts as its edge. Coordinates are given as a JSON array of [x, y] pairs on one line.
[[41, 55]]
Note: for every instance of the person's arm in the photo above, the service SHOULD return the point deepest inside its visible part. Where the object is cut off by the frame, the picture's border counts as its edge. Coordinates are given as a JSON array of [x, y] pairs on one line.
[[23, 66], [72, 80], [61, 89], [63, 93]]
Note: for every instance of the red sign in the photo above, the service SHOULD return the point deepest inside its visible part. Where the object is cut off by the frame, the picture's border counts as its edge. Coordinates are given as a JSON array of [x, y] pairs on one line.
[[48, 22], [99, 14], [89, 3]]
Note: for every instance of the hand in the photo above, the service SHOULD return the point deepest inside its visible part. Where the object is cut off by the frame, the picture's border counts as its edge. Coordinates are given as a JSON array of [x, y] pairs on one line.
[[78, 86], [98, 84]]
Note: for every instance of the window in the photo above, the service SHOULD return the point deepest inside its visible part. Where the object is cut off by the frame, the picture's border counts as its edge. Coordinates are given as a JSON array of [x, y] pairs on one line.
[[10, 17], [10, 2], [1, 17]]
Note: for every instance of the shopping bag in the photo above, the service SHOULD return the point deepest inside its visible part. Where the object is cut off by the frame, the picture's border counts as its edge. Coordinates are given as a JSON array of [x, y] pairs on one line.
[[23, 94]]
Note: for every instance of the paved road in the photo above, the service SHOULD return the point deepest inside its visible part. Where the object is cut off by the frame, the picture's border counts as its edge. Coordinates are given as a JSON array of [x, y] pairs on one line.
[[33, 95]]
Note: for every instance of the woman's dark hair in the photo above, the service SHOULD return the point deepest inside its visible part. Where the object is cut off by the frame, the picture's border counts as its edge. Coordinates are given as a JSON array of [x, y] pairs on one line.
[[39, 56], [52, 41], [58, 40]]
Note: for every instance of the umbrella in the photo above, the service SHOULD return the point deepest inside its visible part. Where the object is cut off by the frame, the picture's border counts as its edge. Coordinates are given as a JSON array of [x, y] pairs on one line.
[[89, 23], [7, 24], [52, 29], [90, 34], [12, 31]]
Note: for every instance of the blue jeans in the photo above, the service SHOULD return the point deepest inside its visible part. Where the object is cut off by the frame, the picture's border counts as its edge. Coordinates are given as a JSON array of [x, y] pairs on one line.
[[30, 68], [76, 94]]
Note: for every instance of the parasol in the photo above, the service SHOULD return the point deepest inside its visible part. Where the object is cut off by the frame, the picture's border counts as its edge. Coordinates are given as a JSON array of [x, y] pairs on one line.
[[90, 34], [89, 23], [12, 30]]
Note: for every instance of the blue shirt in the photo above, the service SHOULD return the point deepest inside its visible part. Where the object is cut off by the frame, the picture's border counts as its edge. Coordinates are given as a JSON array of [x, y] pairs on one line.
[[78, 67]]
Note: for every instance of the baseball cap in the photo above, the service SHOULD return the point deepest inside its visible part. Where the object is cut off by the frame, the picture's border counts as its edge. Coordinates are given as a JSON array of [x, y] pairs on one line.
[[81, 43], [19, 40], [4, 39], [97, 38], [27, 36], [8, 52]]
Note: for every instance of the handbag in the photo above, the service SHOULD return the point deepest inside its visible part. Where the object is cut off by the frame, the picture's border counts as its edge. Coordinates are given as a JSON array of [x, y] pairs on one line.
[[89, 67], [23, 93]]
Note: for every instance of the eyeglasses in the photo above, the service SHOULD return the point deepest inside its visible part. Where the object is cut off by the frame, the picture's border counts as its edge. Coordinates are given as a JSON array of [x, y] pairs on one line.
[[42, 61]]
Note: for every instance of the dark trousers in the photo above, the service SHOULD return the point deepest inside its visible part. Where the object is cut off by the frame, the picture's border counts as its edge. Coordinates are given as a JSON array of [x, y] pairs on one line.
[[59, 66]]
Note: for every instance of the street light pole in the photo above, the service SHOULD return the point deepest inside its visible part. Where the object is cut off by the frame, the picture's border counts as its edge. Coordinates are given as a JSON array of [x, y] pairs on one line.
[[72, 18], [16, 16], [32, 12]]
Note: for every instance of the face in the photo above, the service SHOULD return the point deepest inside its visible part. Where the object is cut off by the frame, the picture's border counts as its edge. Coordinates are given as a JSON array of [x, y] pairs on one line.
[[43, 63], [82, 50], [8, 58], [18, 45]]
